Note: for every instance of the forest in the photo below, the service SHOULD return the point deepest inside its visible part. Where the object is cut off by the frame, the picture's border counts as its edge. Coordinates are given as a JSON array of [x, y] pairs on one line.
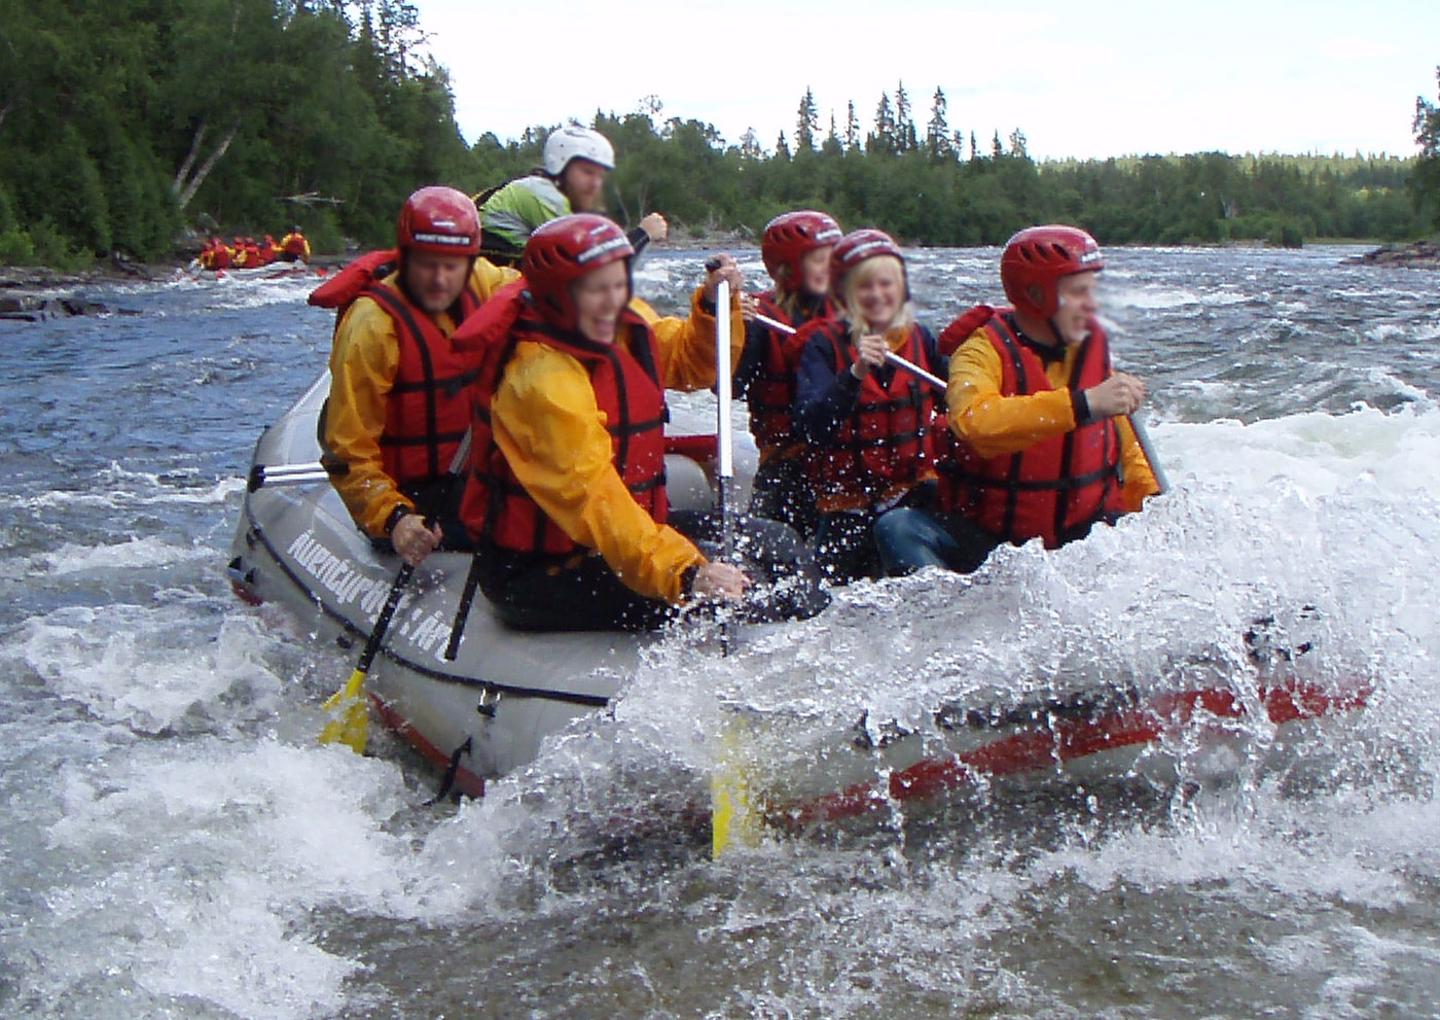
[[131, 126]]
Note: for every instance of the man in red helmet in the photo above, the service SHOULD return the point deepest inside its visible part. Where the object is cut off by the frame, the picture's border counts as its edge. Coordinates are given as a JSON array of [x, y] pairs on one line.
[[398, 406], [568, 500], [1044, 445]]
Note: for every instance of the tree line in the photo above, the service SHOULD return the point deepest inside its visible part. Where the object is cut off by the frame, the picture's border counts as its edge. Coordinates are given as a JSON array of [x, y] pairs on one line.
[[123, 122]]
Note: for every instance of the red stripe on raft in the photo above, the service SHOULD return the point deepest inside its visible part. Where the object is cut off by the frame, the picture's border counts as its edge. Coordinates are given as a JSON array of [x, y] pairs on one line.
[[701, 448], [466, 781], [1067, 740]]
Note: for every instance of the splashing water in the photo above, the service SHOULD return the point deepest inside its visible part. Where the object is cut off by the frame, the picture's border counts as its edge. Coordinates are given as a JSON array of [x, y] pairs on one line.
[[174, 843]]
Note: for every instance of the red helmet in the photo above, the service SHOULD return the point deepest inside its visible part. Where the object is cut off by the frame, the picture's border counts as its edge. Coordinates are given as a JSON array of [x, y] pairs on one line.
[[854, 248], [1038, 257], [439, 220], [562, 251], [791, 236]]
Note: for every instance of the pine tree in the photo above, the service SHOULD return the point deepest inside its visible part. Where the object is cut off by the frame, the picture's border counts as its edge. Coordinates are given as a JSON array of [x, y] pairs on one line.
[[883, 139], [1017, 144], [852, 129], [782, 148], [937, 132], [974, 148], [807, 124], [997, 151], [750, 145], [905, 138], [1425, 180]]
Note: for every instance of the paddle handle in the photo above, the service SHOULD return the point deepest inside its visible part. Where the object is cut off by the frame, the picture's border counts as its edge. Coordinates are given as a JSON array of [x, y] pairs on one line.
[[776, 324], [1142, 436], [724, 429]]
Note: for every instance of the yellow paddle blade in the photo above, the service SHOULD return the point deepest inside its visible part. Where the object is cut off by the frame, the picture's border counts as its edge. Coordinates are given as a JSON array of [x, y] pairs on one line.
[[734, 815], [349, 715]]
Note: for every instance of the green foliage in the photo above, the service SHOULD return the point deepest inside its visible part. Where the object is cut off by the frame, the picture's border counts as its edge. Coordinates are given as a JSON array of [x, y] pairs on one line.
[[1425, 182], [15, 248], [123, 120]]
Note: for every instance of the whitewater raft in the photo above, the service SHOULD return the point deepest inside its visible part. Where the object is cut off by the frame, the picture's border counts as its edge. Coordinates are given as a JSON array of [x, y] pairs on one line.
[[270, 271], [487, 711]]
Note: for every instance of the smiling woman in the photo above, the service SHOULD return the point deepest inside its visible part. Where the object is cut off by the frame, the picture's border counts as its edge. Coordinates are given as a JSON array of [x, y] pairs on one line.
[[868, 425]]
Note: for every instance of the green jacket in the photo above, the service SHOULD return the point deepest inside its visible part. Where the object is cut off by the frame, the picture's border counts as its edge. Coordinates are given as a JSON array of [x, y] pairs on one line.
[[508, 217]]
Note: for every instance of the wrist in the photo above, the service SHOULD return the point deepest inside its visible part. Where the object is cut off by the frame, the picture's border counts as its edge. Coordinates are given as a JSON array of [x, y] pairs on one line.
[[401, 510], [687, 581]]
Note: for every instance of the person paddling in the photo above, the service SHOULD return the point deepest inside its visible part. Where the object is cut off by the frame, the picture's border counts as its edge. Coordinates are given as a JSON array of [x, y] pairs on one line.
[[294, 247], [1044, 448], [796, 248], [398, 406], [568, 500], [869, 425], [571, 179]]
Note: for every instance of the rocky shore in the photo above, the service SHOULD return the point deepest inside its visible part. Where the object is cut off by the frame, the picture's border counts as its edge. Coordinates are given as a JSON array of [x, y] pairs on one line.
[[1420, 255]]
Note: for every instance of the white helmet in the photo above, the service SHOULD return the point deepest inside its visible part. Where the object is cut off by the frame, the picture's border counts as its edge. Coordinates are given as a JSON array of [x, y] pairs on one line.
[[574, 142]]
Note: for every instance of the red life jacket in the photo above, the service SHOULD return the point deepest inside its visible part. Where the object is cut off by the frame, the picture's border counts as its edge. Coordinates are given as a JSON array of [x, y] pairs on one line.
[[220, 257], [628, 390], [887, 443], [341, 290], [428, 408], [295, 244], [772, 395], [1057, 488]]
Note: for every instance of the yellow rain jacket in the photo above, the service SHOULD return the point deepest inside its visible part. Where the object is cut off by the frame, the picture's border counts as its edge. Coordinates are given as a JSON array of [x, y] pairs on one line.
[[996, 425], [363, 363], [552, 433]]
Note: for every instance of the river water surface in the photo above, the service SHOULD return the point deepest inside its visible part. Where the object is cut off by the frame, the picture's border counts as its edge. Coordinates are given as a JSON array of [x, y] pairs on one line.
[[174, 843]]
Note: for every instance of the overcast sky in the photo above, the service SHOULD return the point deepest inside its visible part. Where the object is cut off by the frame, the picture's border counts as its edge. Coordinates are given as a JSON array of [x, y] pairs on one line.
[[1086, 80]]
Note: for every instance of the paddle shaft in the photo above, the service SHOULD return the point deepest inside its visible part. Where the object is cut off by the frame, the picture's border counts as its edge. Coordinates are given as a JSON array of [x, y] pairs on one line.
[[382, 623], [402, 578], [724, 428], [1142, 436], [724, 434]]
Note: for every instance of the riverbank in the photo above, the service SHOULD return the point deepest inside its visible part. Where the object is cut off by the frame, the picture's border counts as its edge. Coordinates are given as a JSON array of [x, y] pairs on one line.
[[1419, 255]]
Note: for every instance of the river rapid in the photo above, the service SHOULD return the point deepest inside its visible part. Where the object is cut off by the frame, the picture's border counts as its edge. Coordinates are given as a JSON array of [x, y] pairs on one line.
[[174, 842]]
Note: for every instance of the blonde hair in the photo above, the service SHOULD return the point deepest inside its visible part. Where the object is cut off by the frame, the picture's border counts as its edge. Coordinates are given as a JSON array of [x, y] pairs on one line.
[[864, 273], [787, 293]]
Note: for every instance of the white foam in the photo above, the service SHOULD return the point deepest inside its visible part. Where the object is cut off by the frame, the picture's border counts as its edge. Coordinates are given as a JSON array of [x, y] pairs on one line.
[[140, 668], [150, 551], [200, 875]]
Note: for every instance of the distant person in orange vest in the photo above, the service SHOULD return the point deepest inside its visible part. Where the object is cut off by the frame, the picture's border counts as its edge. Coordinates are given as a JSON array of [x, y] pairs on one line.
[[294, 247], [220, 254], [269, 250]]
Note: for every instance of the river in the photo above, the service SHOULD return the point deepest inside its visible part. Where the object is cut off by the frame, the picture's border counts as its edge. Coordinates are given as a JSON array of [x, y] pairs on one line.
[[174, 843]]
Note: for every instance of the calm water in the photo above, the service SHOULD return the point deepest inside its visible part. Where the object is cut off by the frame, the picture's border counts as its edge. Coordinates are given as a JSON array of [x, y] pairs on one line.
[[173, 843]]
